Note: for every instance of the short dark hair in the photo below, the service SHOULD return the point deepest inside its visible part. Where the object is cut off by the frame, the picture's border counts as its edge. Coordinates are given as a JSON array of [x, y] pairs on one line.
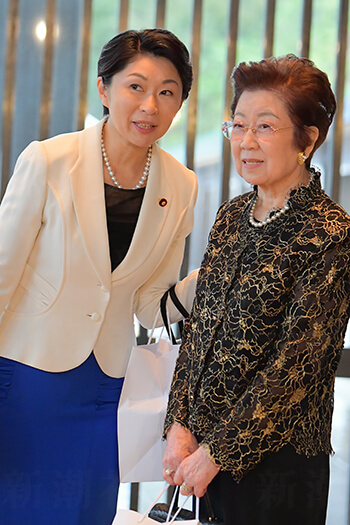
[[121, 49], [304, 89]]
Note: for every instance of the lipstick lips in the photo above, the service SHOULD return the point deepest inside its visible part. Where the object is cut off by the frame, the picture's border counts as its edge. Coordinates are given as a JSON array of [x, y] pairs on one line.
[[252, 162], [144, 126]]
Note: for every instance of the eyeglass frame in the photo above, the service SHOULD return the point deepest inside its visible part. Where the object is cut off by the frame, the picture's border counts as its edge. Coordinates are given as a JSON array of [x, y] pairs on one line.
[[229, 123]]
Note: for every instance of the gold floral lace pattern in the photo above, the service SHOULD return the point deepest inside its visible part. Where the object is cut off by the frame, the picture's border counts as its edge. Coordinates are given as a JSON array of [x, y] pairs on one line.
[[260, 350]]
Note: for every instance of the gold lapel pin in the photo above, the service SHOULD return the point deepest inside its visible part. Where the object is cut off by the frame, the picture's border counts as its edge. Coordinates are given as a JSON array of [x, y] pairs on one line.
[[162, 202]]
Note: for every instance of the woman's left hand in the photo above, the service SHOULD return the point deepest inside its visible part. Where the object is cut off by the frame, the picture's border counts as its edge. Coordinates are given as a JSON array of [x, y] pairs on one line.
[[195, 473]]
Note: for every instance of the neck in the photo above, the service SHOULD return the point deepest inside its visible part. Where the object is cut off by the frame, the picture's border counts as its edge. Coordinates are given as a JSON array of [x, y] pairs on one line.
[[126, 160], [275, 198]]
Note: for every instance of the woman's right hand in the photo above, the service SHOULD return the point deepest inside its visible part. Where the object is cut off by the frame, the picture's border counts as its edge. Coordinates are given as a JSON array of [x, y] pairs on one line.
[[180, 444]]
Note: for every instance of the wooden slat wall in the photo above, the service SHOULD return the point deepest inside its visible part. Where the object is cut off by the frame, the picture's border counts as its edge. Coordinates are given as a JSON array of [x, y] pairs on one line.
[[45, 109], [232, 38], [84, 67], [123, 15], [306, 28], [8, 99], [337, 143], [6, 118], [269, 28], [193, 100], [160, 18]]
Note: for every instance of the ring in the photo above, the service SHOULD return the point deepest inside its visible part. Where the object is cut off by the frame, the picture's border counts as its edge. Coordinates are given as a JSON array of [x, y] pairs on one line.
[[169, 471], [186, 489]]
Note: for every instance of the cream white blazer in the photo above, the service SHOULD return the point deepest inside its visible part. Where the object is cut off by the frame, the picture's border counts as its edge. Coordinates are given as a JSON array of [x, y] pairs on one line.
[[58, 297]]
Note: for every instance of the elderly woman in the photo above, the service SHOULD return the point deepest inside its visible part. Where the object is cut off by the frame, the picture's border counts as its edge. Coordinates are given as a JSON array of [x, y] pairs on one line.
[[250, 408]]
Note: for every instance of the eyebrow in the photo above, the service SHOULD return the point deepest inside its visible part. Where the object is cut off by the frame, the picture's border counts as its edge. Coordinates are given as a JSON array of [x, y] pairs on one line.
[[263, 113], [167, 81]]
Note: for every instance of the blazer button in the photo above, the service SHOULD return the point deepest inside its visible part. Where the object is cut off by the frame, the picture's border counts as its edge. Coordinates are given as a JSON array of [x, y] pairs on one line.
[[96, 317]]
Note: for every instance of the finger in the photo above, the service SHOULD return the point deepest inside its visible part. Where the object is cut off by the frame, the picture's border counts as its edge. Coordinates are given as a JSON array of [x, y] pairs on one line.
[[199, 492], [185, 489], [168, 475], [178, 477]]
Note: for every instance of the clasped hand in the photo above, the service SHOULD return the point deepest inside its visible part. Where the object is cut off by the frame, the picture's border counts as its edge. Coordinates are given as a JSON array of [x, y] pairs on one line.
[[186, 463]]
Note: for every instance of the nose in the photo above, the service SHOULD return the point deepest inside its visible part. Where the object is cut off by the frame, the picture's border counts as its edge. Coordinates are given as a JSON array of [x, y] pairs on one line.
[[149, 105], [249, 140]]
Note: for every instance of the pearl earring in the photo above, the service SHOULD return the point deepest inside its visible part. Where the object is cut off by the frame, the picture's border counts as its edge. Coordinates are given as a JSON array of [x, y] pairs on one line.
[[301, 158]]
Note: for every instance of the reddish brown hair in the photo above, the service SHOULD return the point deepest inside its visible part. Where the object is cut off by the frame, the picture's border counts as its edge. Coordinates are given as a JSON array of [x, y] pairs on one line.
[[304, 89]]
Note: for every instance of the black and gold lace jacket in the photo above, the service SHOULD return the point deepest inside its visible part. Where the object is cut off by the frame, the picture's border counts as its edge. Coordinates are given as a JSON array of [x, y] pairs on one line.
[[262, 344]]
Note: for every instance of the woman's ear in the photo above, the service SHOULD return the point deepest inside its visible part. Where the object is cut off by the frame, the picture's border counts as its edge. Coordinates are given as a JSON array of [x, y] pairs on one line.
[[313, 133], [102, 90]]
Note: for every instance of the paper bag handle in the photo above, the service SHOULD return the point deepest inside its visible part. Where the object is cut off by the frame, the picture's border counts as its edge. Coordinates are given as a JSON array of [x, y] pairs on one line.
[[180, 507], [153, 503]]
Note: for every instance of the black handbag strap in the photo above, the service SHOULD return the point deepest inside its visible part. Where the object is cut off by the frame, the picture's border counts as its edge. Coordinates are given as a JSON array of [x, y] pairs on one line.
[[177, 303], [165, 318], [180, 308], [209, 516]]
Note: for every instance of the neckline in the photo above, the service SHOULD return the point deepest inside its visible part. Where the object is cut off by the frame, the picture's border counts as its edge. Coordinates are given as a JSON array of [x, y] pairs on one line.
[[298, 197], [125, 190]]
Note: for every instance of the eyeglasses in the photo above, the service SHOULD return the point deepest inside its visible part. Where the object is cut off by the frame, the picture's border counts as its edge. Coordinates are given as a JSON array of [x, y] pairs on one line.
[[235, 130]]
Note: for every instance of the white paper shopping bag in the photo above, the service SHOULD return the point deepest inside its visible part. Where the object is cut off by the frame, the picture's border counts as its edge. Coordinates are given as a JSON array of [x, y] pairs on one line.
[[142, 409], [131, 517]]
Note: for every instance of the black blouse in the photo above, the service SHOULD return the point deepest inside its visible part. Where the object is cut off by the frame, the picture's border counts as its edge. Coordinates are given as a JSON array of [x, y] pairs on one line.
[[257, 363], [122, 211]]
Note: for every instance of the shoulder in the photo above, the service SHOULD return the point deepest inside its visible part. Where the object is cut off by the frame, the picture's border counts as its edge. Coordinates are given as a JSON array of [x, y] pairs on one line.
[[325, 205], [316, 215], [64, 146], [69, 144], [229, 218], [49, 150], [329, 217], [232, 208], [64, 140], [175, 170]]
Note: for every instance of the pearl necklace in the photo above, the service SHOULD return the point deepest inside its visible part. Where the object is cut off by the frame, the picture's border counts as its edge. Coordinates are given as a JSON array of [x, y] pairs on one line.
[[260, 224], [145, 173]]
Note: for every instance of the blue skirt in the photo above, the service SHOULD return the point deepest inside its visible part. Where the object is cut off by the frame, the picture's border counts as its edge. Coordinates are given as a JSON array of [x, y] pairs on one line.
[[58, 445]]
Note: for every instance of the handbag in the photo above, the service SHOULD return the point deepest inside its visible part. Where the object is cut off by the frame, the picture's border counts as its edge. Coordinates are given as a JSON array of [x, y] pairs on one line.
[[131, 517], [143, 403]]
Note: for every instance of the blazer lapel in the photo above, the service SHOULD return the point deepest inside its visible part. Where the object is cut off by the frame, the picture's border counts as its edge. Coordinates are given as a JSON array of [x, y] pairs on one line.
[[89, 201], [153, 214]]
